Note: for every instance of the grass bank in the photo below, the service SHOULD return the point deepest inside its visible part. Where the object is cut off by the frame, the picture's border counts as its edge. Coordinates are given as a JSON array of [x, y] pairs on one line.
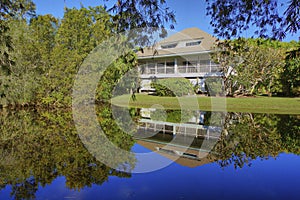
[[276, 105]]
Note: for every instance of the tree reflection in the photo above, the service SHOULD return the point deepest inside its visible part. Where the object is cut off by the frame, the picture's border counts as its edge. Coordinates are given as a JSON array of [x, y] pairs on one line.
[[248, 136], [37, 146]]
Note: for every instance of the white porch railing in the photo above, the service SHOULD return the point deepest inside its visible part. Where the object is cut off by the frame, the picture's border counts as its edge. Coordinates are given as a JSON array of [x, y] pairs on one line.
[[156, 70]]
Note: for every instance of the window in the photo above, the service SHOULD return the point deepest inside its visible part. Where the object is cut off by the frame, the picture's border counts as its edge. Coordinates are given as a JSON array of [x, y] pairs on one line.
[[188, 44], [170, 64], [190, 63], [169, 46]]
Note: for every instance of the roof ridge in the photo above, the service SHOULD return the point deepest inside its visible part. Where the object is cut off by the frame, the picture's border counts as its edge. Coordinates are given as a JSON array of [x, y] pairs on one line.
[[192, 33]]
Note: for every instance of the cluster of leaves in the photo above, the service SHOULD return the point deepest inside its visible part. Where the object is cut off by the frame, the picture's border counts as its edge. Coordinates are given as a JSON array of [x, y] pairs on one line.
[[214, 86], [290, 78], [143, 16], [122, 76], [11, 9], [173, 87], [231, 17], [254, 66]]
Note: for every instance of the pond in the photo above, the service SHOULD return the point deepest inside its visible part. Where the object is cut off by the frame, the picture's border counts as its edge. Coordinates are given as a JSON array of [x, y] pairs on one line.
[[148, 154]]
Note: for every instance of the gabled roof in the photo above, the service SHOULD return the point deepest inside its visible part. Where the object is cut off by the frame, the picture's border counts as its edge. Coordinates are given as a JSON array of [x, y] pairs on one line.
[[189, 34]]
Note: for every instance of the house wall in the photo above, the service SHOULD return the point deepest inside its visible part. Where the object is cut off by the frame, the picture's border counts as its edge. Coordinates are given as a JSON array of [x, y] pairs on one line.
[[193, 67]]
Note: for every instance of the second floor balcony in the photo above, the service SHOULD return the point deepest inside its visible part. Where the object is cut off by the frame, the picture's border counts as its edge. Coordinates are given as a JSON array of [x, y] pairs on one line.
[[174, 69]]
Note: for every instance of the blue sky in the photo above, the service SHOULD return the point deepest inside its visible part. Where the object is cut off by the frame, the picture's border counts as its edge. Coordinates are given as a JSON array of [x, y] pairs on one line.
[[189, 13]]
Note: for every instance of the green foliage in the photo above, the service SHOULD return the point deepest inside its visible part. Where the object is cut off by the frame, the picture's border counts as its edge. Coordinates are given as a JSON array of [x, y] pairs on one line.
[[230, 18], [20, 84], [173, 87], [290, 78], [10, 10], [40, 55], [137, 14], [175, 116], [49, 52], [255, 66], [121, 77], [77, 35], [214, 86]]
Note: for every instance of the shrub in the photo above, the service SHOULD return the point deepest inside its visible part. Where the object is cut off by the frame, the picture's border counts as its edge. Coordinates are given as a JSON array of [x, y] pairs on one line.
[[214, 86], [173, 87]]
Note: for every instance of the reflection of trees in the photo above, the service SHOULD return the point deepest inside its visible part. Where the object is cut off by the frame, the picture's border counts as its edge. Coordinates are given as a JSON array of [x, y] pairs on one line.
[[289, 129], [179, 116], [250, 136], [36, 147], [175, 116]]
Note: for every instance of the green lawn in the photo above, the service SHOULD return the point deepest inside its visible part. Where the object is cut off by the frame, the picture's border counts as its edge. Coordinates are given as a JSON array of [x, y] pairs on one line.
[[276, 105]]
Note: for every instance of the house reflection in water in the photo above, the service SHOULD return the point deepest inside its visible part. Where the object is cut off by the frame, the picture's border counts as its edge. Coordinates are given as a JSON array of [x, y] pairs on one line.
[[188, 142]]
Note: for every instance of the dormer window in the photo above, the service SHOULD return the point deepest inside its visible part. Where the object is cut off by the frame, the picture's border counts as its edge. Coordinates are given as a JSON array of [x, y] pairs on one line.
[[188, 44], [169, 46]]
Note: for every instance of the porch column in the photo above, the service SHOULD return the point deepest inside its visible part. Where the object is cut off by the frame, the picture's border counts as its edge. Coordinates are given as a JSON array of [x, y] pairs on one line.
[[175, 66], [187, 65], [165, 66], [198, 64]]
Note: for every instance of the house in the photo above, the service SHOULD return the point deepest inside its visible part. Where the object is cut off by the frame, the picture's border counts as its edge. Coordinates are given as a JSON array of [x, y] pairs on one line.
[[184, 54]]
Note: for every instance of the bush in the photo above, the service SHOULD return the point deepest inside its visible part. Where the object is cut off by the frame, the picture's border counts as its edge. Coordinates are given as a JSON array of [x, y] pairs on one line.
[[173, 87], [214, 86]]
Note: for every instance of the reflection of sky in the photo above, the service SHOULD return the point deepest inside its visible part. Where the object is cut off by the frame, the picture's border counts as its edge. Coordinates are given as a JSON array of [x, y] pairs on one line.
[[148, 161], [268, 179], [139, 149]]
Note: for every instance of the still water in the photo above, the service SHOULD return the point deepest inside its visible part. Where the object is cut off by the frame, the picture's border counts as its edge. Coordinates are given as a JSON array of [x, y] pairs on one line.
[[198, 155]]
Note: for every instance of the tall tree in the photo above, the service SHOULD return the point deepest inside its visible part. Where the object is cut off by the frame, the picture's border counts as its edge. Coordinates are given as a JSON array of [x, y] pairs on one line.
[[11, 9], [290, 78], [43, 29], [249, 65], [79, 32]]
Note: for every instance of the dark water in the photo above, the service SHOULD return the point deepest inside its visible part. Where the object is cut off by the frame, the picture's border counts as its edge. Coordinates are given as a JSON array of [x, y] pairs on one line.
[[208, 155]]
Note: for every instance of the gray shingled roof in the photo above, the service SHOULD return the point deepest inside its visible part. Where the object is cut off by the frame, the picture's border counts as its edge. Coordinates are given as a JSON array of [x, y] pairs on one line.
[[189, 34]]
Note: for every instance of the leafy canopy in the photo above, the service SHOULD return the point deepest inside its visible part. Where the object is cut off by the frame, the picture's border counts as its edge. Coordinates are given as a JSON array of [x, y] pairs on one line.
[[230, 18]]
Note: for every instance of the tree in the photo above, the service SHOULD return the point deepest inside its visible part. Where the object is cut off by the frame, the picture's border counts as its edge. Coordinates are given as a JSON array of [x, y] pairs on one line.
[[32, 43], [118, 78], [250, 66], [43, 29], [290, 78], [230, 18], [79, 32], [20, 81], [11, 9]]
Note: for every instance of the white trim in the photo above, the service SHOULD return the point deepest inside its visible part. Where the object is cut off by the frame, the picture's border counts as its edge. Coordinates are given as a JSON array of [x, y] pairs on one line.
[[174, 54]]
